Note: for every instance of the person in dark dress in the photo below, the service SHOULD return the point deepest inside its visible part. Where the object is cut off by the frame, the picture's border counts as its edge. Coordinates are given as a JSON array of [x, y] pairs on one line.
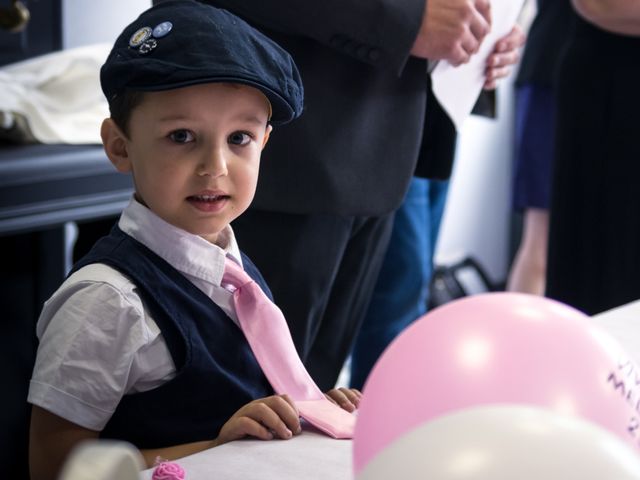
[[594, 234]]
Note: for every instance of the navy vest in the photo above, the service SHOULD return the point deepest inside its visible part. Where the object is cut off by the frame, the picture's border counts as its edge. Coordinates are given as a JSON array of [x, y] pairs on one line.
[[217, 372]]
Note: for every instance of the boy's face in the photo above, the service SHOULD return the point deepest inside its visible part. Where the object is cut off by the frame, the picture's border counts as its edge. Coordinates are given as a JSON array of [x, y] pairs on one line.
[[194, 153]]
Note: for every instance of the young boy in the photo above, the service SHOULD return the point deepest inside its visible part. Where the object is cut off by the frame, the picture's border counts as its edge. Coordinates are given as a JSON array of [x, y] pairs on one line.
[[141, 342]]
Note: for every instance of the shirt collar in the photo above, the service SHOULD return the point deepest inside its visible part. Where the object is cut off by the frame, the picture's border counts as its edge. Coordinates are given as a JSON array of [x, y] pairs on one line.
[[184, 251]]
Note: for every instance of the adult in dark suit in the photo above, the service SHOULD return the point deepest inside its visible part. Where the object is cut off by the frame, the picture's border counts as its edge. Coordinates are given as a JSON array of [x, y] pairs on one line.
[[594, 234], [401, 293], [322, 214]]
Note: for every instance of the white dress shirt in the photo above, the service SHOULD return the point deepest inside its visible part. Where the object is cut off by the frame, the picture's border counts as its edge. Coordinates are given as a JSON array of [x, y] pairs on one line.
[[98, 340]]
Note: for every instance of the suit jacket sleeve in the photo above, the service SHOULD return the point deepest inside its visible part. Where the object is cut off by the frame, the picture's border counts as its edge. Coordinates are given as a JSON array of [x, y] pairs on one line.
[[378, 32]]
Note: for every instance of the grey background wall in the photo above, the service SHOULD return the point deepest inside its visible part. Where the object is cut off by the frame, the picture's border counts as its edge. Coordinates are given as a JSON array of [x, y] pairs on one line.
[[90, 21]]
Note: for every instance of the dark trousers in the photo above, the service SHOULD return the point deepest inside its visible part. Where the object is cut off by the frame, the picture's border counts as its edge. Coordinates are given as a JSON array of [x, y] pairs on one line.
[[321, 269]]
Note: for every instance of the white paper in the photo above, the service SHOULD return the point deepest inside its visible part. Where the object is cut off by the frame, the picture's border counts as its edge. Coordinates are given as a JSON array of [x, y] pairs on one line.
[[457, 88]]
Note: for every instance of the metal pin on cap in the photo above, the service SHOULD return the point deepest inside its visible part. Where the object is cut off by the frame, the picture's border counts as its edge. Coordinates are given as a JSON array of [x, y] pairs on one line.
[[162, 29], [140, 36], [147, 46]]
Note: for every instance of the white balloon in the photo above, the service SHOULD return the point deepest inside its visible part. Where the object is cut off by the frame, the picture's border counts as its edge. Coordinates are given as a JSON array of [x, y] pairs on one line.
[[505, 442]]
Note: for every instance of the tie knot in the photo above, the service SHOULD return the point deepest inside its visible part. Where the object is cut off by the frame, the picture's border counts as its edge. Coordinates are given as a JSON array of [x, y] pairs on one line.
[[234, 276]]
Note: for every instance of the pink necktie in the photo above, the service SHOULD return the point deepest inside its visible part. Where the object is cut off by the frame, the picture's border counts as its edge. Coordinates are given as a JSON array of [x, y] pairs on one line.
[[266, 330]]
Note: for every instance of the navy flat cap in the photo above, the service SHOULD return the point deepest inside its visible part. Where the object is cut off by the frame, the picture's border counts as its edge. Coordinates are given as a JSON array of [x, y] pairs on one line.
[[183, 42]]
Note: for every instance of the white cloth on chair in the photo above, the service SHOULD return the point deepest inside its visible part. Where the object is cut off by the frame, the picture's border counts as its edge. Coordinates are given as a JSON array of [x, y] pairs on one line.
[[55, 98]]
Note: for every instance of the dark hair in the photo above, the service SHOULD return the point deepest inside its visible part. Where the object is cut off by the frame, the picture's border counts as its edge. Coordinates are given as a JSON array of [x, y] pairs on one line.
[[121, 106]]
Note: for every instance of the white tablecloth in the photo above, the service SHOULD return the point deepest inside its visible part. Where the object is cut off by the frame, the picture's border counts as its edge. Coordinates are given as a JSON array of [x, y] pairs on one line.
[[308, 456], [623, 323]]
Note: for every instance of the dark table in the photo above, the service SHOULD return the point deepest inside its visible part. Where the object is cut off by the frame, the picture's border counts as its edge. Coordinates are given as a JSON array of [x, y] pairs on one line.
[[44, 186]]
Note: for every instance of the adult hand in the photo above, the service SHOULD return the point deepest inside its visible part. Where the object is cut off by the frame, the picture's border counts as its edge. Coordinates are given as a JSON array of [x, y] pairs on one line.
[[505, 54], [264, 418], [346, 398], [452, 30]]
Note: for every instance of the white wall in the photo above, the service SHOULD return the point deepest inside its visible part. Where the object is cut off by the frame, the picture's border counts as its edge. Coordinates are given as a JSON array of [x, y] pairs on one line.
[[477, 213], [95, 21]]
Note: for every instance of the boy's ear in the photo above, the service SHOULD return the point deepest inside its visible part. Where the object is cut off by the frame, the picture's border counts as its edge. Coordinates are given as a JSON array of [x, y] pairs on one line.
[[266, 135], [115, 145]]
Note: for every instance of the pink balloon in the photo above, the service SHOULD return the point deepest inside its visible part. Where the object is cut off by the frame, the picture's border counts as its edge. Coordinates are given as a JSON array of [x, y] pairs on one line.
[[498, 348]]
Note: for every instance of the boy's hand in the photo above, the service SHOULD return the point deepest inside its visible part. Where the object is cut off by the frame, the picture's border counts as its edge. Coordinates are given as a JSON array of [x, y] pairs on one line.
[[264, 418], [346, 398]]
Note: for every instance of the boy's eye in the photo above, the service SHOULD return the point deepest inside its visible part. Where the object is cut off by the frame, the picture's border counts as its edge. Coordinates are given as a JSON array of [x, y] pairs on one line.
[[239, 138], [181, 136]]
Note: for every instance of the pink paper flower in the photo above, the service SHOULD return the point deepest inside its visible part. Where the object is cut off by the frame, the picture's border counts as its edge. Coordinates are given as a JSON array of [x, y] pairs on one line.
[[168, 471]]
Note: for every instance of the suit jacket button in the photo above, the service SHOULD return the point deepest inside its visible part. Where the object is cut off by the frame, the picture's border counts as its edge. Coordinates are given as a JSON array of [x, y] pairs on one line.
[[374, 55]]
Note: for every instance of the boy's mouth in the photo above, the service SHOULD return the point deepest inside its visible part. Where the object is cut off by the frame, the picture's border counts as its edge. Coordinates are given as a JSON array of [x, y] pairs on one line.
[[207, 198], [208, 202]]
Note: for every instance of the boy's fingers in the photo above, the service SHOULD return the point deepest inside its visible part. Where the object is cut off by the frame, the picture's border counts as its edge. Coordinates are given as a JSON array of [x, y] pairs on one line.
[[290, 401], [352, 394], [336, 396], [243, 426], [356, 392], [287, 413], [343, 399], [262, 412], [330, 398]]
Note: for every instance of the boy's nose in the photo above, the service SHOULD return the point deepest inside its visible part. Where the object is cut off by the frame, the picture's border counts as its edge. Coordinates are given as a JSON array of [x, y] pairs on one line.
[[214, 165]]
